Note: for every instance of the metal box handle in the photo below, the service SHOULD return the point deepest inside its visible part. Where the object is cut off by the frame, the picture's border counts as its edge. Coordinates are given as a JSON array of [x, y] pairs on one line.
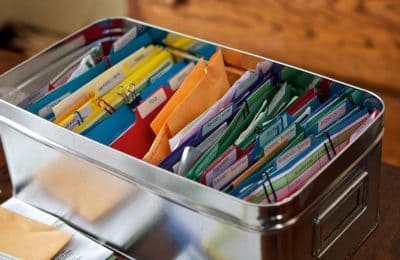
[[340, 215]]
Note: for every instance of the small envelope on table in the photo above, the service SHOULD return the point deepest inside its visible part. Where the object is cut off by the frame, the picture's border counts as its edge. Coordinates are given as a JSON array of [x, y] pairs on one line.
[[24, 238]]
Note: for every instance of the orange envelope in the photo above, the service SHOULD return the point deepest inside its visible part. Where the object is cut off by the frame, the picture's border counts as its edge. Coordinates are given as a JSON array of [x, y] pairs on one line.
[[240, 60], [24, 238], [198, 73], [203, 94]]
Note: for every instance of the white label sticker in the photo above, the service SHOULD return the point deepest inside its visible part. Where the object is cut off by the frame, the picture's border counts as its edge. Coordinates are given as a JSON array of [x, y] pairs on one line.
[[78, 117], [85, 111], [277, 142], [291, 132], [209, 141], [127, 37], [332, 117], [177, 80], [47, 110], [230, 173], [162, 69], [74, 122], [270, 133], [364, 125], [217, 120], [111, 82], [34, 96], [132, 61], [151, 103], [227, 160], [293, 152]]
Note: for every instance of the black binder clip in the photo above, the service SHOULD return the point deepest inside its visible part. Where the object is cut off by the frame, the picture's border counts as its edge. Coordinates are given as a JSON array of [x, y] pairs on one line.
[[331, 144], [265, 189], [266, 174]]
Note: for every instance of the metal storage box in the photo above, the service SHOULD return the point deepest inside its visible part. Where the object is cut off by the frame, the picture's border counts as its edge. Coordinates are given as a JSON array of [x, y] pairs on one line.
[[165, 216]]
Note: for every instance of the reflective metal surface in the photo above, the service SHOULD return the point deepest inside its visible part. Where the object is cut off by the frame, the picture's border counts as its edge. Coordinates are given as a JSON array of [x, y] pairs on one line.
[[143, 211]]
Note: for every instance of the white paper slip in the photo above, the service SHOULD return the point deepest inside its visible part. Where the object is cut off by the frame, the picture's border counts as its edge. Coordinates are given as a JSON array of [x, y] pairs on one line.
[[4, 256], [80, 247]]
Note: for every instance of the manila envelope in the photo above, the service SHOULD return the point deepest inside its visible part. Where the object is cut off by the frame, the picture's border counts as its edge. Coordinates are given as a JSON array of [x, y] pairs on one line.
[[25, 238]]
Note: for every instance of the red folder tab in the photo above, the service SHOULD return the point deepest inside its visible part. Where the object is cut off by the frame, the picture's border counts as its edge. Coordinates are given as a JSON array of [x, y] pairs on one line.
[[137, 139]]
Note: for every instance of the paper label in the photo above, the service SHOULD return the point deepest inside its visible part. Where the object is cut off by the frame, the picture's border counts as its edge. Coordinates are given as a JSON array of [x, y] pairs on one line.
[[34, 96], [293, 152], [163, 68], [331, 117], [224, 162], [130, 63], [209, 141], [363, 127], [110, 83], [86, 63], [177, 80], [221, 180], [288, 135], [78, 117], [85, 112], [47, 110], [74, 122], [127, 37], [217, 120], [151, 103], [270, 133], [305, 175]]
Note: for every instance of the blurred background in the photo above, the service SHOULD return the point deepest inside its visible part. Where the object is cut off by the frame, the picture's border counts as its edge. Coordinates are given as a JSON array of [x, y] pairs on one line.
[[355, 41]]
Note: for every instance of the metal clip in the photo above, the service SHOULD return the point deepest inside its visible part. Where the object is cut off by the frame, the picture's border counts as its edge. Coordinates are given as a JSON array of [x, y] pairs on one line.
[[107, 107], [330, 142], [265, 189], [327, 151], [270, 185]]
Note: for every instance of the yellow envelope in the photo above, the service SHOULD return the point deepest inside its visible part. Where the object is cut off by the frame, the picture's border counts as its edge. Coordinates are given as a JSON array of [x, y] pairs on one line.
[[204, 94], [107, 80], [25, 238]]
